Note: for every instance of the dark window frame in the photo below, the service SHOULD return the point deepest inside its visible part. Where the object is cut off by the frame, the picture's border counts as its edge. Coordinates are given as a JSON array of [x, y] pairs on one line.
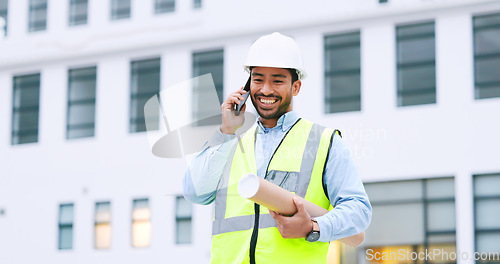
[[179, 219], [401, 92], [479, 57], [476, 200], [120, 13], [75, 19], [65, 225], [35, 26], [138, 123], [80, 102], [197, 4], [164, 6], [17, 132], [425, 201], [4, 12], [330, 101], [197, 67]]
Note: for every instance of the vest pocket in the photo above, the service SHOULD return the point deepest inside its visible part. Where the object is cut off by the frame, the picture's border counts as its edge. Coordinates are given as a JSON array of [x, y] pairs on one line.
[[287, 180]]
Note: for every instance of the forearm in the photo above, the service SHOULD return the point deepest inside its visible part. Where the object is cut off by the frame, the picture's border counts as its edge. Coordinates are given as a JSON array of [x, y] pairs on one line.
[[190, 193], [354, 241], [205, 169], [346, 222]]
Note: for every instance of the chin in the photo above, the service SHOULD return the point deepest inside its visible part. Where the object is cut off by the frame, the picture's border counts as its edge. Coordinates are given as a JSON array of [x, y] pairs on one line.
[[269, 114]]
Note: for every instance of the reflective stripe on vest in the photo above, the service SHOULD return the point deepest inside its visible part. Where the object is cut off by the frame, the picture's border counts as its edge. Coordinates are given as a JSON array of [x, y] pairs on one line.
[[300, 156]]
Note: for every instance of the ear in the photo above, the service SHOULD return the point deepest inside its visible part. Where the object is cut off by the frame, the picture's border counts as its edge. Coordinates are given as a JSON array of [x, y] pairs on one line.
[[296, 87]]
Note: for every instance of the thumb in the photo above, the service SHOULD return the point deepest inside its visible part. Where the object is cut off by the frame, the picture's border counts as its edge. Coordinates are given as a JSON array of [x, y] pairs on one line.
[[300, 205]]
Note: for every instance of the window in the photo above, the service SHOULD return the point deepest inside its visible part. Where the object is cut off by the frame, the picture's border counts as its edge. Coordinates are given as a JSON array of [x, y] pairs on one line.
[[4, 7], [37, 15], [409, 216], [342, 73], [78, 10], [102, 225], [81, 102], [416, 64], [196, 4], [487, 56], [203, 63], [120, 9], [487, 214], [183, 214], [66, 226], [141, 223], [164, 6], [25, 109], [144, 83]]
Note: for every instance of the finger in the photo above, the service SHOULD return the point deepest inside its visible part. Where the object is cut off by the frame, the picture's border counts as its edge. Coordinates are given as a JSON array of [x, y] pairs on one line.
[[230, 102], [242, 89], [235, 98], [235, 95], [239, 92], [227, 106], [275, 215], [238, 96], [300, 206], [271, 212]]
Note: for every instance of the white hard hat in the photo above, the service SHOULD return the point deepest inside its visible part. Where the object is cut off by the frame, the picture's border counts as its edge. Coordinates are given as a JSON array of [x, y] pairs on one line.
[[277, 51]]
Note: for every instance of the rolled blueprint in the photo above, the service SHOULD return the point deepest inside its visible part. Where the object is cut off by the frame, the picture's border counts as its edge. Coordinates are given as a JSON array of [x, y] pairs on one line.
[[274, 197]]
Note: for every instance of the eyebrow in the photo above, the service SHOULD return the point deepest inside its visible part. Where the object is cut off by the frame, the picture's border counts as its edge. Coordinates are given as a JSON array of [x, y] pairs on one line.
[[274, 75], [279, 76]]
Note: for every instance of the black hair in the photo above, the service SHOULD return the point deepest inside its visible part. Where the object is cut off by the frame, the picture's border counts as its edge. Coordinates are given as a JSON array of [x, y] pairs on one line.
[[293, 73]]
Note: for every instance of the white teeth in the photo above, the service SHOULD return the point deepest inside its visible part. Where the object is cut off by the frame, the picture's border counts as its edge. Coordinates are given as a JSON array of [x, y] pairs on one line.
[[267, 101]]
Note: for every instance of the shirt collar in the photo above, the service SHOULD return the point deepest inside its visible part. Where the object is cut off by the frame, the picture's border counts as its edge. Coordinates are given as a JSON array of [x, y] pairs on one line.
[[284, 122]]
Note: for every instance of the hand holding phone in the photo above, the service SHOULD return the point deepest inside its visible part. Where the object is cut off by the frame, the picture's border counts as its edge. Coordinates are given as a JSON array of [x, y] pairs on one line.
[[245, 97]]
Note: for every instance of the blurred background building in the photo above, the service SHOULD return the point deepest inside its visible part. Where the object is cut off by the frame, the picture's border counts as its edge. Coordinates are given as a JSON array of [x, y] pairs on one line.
[[414, 85]]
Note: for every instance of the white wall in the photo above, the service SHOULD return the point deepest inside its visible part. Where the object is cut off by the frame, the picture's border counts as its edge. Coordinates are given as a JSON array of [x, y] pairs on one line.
[[457, 136]]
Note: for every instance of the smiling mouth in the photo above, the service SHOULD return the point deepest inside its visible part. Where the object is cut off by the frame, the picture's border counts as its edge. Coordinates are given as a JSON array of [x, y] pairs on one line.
[[267, 101]]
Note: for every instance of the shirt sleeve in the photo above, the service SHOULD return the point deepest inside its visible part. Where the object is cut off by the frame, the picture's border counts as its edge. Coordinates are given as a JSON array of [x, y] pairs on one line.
[[352, 210], [206, 167]]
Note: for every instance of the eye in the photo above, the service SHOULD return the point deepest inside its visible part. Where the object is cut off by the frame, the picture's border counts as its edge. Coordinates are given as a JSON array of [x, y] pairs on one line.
[[278, 81], [257, 80]]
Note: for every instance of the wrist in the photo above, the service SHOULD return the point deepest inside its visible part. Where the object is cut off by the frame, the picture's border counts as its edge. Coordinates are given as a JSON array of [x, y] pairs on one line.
[[226, 130], [313, 235], [315, 225]]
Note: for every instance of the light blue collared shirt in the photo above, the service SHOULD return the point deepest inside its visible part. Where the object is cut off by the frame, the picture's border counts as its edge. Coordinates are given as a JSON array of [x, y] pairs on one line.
[[352, 211]]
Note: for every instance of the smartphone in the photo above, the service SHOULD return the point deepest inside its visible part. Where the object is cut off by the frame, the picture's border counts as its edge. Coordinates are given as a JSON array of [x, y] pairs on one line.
[[245, 97]]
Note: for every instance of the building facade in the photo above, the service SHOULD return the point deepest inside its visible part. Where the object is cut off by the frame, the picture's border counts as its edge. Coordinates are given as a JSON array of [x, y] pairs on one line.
[[412, 84]]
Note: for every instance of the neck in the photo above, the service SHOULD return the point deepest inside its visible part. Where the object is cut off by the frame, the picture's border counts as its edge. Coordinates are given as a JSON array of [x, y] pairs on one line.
[[270, 123]]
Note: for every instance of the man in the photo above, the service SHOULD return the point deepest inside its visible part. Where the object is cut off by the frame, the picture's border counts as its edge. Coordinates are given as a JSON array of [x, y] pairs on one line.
[[300, 156]]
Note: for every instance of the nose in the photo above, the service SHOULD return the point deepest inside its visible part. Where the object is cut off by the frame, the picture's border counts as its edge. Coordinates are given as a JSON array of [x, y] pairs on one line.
[[266, 89]]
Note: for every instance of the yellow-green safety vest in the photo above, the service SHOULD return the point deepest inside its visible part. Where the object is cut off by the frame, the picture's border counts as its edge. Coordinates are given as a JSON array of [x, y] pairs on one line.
[[239, 234]]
